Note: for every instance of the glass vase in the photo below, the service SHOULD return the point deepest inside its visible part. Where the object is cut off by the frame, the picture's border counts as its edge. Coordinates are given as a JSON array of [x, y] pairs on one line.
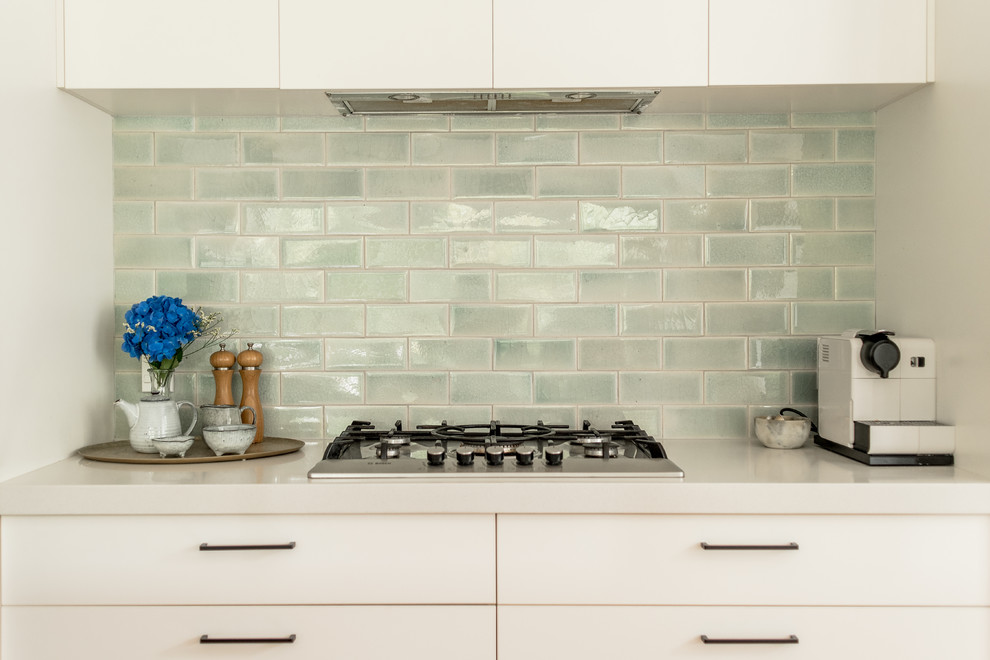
[[161, 384]]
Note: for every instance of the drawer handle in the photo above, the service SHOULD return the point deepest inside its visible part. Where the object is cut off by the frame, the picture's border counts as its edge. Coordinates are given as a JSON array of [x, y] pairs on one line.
[[204, 547], [786, 546], [790, 639], [206, 639]]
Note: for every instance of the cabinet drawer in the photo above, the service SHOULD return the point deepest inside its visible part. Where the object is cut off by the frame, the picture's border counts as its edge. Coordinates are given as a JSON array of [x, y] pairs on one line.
[[158, 560], [648, 633], [320, 632], [659, 560]]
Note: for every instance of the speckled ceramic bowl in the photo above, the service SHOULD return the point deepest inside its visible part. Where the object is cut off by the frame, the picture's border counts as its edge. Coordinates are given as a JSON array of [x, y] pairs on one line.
[[232, 439], [783, 432], [176, 445]]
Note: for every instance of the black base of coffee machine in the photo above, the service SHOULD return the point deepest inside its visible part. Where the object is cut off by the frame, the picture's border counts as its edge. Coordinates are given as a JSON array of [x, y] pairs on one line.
[[884, 459]]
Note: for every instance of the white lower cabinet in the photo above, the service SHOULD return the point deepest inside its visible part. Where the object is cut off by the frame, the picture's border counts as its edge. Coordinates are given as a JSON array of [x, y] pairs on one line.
[[293, 633], [809, 633]]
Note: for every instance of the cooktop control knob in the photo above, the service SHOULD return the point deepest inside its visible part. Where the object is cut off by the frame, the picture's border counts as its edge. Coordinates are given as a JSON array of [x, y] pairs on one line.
[[435, 455], [554, 455], [524, 455], [465, 456], [494, 454]]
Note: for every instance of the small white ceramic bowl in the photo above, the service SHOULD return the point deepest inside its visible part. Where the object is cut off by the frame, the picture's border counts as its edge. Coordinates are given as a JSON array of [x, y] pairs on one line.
[[232, 439], [176, 445], [782, 431]]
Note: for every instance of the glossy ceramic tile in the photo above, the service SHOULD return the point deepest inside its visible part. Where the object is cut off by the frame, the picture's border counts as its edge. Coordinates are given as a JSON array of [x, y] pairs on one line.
[[258, 124], [706, 422], [321, 253], [574, 388], [536, 217], [733, 120], [829, 318], [660, 387], [705, 147], [575, 251], [405, 252], [452, 354], [656, 251], [152, 252], [742, 250], [293, 354], [855, 213], [322, 388], [855, 283], [197, 218], [152, 183], [660, 319], [323, 320], [367, 149], [840, 248], [367, 217], [747, 180], [237, 252], [575, 320], [450, 286], [283, 149], [833, 179], [407, 320], [278, 286], [318, 183], [133, 217], [783, 353], [490, 387], [362, 286], [663, 181], [407, 388], [620, 216], [196, 149], [363, 354], [537, 148], [130, 286], [791, 283], [791, 146], [283, 218], [610, 353], [704, 353], [214, 183], [447, 217], [494, 253], [491, 182], [535, 354], [535, 286], [751, 387], [663, 121], [792, 214], [705, 215], [746, 318], [643, 147], [199, 286], [323, 124], [491, 320], [705, 284], [620, 285], [133, 148]]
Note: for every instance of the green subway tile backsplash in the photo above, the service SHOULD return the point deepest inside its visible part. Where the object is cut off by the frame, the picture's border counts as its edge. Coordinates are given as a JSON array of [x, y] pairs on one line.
[[670, 268]]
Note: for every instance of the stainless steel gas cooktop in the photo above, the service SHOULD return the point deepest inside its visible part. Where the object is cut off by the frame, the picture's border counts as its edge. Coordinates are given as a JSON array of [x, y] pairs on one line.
[[494, 449]]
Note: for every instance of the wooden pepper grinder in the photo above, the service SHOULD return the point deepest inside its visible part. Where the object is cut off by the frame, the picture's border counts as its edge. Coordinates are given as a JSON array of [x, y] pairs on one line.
[[250, 361], [223, 362]]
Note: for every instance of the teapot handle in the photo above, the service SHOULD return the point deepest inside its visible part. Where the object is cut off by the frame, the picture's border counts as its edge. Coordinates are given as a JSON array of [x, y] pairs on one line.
[[195, 414]]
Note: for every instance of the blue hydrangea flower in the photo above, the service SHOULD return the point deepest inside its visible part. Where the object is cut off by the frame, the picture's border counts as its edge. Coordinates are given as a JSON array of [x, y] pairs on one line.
[[159, 328]]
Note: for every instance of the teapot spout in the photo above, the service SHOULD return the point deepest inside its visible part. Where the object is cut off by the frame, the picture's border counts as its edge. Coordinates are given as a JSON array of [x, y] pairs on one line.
[[130, 410]]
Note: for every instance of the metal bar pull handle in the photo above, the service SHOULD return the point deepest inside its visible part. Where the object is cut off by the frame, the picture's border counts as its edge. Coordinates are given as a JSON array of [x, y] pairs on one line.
[[790, 639], [206, 639], [784, 546], [205, 547]]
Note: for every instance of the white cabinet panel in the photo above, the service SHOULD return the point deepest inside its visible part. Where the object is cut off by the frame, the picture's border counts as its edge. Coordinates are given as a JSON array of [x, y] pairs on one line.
[[560, 43], [839, 560], [809, 42], [648, 633], [168, 44], [116, 560], [385, 44], [321, 633]]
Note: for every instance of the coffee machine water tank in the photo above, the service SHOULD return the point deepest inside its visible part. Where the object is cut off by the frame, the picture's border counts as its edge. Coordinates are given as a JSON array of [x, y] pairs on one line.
[[873, 376]]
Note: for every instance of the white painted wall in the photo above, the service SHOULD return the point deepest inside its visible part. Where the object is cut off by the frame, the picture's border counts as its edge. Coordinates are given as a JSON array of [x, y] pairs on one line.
[[56, 260], [933, 216]]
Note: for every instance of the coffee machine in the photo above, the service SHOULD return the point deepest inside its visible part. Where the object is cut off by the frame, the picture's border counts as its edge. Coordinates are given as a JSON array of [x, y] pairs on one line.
[[876, 399]]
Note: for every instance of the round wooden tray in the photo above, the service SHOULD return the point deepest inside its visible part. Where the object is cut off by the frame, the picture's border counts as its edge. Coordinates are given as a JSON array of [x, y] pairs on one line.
[[121, 452]]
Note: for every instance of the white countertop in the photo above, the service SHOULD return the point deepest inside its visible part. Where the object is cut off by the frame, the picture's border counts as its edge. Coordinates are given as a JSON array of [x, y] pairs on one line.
[[721, 476]]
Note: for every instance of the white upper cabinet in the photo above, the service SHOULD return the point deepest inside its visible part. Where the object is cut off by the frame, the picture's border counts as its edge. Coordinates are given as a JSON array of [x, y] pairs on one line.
[[560, 43], [813, 42], [386, 44], [170, 44]]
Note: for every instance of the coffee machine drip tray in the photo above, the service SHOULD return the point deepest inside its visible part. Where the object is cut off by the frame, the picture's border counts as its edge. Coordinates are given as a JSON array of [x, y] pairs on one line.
[[897, 443]]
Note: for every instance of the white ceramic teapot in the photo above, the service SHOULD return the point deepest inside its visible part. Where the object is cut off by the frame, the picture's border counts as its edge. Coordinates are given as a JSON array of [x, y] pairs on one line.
[[152, 418]]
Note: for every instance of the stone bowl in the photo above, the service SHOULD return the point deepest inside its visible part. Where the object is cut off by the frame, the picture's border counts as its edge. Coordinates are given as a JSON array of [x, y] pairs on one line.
[[782, 431], [176, 445], [232, 439]]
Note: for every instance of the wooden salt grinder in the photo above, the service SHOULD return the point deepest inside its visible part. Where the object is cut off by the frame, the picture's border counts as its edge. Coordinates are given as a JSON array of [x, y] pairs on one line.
[[250, 361], [223, 362]]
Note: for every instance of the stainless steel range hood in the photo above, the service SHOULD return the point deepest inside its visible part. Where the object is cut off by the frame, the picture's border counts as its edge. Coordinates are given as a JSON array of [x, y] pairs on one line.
[[493, 101]]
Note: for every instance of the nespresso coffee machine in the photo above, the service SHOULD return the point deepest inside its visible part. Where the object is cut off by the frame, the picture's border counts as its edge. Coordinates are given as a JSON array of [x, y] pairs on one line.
[[876, 400]]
